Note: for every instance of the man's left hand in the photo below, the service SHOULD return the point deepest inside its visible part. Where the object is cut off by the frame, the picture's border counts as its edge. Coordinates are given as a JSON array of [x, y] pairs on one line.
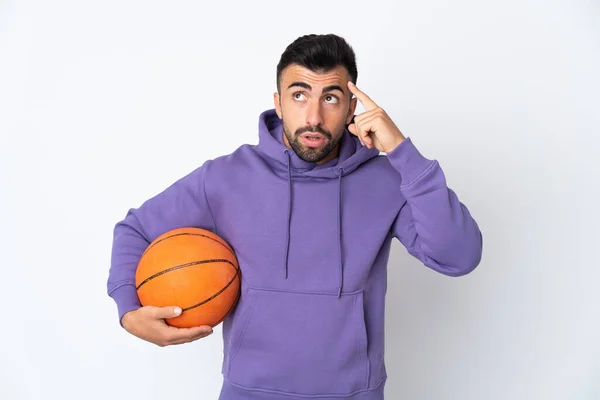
[[374, 128]]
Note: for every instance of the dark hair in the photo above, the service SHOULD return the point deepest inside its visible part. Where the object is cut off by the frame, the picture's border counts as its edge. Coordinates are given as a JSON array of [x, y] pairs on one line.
[[319, 53]]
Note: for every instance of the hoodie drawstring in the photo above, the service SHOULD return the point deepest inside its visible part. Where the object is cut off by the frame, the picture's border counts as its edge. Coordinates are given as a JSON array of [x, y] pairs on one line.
[[289, 213], [339, 231], [340, 171]]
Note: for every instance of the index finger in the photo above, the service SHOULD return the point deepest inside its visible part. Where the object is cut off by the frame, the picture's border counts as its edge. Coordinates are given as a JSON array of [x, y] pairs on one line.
[[364, 99]]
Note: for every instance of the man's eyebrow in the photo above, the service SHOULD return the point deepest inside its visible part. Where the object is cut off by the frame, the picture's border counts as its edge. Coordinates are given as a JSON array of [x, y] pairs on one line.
[[331, 88], [301, 84], [326, 89]]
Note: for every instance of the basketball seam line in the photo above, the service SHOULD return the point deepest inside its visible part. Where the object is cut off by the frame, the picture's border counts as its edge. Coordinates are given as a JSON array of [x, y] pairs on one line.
[[233, 304], [188, 233], [184, 266], [214, 295]]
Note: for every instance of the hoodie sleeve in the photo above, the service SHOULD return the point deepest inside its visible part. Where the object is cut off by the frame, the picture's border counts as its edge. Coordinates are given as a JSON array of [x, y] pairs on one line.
[[433, 225], [183, 204]]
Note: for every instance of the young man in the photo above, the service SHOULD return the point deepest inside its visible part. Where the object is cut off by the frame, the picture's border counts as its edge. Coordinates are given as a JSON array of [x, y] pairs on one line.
[[310, 212]]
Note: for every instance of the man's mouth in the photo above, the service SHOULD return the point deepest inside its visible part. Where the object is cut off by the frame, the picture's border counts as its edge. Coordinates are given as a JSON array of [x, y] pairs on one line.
[[312, 139], [312, 135]]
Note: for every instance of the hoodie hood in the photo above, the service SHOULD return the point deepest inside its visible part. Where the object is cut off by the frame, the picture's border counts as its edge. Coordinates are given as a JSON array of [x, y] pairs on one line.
[[351, 155]]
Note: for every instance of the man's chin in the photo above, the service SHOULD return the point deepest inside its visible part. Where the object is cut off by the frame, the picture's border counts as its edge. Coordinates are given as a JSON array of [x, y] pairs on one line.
[[310, 154], [313, 150]]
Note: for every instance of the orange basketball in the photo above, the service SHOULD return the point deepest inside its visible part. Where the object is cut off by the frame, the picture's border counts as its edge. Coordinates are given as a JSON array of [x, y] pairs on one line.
[[193, 269]]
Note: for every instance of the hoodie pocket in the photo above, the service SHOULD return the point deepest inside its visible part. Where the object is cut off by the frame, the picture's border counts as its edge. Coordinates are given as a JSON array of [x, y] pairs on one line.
[[301, 343]]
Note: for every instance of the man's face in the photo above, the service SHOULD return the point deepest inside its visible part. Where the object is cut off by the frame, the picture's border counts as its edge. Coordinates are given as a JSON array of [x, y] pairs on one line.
[[315, 109]]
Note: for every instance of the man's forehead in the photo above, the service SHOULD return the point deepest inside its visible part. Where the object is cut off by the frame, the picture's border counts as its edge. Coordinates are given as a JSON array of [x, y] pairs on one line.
[[293, 73]]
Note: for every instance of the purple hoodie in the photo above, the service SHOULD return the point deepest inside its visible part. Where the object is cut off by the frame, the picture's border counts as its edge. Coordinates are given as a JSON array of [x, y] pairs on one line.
[[313, 243]]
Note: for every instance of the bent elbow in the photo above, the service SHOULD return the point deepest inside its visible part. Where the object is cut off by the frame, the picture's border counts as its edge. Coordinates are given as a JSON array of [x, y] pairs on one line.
[[470, 260]]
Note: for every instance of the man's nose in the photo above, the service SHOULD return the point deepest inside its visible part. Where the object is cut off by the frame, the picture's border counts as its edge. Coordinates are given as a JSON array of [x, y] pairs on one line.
[[314, 118]]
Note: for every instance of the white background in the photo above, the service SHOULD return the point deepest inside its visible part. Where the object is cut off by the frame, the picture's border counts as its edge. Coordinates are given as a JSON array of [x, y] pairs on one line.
[[104, 104]]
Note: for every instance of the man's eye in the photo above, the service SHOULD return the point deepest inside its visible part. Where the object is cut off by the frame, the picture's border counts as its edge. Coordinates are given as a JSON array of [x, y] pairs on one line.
[[333, 100], [297, 96]]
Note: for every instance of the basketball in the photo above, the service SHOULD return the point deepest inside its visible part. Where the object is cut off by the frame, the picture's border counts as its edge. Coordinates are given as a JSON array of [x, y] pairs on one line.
[[193, 269]]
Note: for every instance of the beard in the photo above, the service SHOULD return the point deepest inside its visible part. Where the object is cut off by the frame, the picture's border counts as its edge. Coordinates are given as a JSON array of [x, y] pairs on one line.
[[311, 154]]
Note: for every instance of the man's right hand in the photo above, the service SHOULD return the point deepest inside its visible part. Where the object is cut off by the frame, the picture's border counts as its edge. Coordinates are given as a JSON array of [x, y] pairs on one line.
[[148, 323]]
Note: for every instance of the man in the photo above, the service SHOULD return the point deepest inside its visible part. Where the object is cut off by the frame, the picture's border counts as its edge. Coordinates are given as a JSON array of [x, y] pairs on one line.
[[310, 211]]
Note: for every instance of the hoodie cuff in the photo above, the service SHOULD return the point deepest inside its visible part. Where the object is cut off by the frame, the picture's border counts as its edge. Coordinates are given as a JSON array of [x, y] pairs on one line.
[[408, 161], [127, 300]]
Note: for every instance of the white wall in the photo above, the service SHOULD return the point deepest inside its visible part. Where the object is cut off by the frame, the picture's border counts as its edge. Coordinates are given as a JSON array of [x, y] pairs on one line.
[[104, 104]]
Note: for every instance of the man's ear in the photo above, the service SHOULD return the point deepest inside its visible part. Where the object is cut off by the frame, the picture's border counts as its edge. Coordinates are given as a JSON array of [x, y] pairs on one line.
[[351, 110], [277, 104]]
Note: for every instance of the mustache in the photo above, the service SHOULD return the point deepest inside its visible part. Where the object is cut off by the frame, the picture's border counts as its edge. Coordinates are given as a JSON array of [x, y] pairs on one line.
[[315, 129]]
